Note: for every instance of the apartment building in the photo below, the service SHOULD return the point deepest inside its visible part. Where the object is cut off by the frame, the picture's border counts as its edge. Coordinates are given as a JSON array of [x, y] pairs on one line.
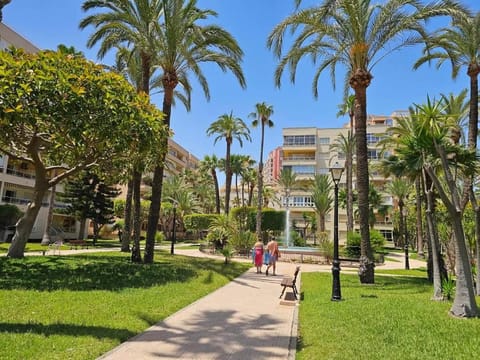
[[307, 152]]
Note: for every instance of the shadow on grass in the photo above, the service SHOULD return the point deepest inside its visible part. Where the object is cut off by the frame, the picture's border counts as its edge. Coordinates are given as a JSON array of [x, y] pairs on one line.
[[98, 332], [103, 272]]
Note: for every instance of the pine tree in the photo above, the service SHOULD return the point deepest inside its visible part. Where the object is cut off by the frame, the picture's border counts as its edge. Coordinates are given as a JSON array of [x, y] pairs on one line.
[[90, 197]]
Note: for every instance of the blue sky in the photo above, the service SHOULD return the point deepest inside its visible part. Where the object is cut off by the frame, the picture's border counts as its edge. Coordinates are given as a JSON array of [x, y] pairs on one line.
[[395, 85]]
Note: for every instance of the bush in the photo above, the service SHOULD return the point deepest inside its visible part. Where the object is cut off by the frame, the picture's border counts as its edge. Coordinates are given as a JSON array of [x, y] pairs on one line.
[[296, 239], [242, 241], [159, 237], [353, 244], [377, 241]]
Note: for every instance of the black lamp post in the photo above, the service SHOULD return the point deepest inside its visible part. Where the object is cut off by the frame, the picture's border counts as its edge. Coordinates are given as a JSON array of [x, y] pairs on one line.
[[405, 234], [174, 234], [336, 171]]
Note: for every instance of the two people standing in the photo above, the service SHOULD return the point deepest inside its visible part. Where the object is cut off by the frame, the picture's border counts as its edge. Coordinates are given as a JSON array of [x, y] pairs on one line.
[[271, 252]]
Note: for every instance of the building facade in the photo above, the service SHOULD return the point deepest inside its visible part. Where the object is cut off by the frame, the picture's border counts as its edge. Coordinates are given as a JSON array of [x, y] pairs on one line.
[[308, 152]]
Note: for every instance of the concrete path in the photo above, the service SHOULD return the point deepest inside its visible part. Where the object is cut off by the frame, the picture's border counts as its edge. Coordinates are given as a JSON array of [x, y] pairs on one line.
[[245, 319]]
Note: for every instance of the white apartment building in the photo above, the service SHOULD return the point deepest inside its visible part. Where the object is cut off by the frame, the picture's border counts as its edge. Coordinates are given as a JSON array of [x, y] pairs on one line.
[[307, 151]]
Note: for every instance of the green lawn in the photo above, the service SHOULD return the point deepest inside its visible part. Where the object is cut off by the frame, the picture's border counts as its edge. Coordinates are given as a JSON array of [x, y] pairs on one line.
[[79, 307], [392, 319]]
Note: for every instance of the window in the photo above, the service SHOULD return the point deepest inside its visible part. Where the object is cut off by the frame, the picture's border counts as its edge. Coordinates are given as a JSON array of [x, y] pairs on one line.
[[298, 140], [303, 169], [324, 141]]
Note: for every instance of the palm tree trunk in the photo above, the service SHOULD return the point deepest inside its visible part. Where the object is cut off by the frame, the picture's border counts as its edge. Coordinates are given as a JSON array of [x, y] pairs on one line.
[[154, 211], [228, 177], [169, 82], [359, 82], [260, 186], [434, 248], [349, 173], [127, 228], [217, 191], [419, 223]]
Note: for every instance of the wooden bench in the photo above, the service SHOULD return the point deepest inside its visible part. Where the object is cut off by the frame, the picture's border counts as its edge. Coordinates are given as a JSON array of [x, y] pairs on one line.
[[77, 243], [290, 282]]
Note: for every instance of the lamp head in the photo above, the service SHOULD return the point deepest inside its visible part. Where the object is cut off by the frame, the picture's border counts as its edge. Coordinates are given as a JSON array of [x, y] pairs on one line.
[[336, 171]]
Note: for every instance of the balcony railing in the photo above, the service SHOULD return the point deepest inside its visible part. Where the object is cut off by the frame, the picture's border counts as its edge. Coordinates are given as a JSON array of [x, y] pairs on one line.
[[19, 173]]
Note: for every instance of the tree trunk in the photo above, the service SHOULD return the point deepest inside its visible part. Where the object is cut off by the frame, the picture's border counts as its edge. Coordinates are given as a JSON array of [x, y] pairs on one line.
[[349, 173], [169, 83], [127, 228], [217, 191], [464, 304], [81, 231], [260, 185], [419, 224], [260, 200], [359, 82], [154, 211], [46, 234], [24, 226], [136, 255], [228, 177], [434, 247]]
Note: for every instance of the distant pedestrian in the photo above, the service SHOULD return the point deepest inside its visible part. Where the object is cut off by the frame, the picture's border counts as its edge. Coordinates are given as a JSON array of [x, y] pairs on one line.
[[272, 248], [258, 256]]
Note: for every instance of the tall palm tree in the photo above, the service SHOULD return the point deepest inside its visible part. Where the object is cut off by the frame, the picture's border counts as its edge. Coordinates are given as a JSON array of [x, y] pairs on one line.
[[261, 117], [176, 41], [346, 145], [133, 23], [210, 163], [356, 34], [322, 198], [230, 128]]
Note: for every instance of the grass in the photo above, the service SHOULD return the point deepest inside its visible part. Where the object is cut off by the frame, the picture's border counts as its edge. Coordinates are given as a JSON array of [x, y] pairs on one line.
[[79, 307], [392, 319]]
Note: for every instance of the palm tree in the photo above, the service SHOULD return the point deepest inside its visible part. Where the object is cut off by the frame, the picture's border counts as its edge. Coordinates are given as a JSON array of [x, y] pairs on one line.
[[322, 198], [434, 120], [210, 163], [357, 34], [346, 145], [136, 23], [261, 117], [399, 188], [229, 128], [410, 142], [460, 44], [169, 37]]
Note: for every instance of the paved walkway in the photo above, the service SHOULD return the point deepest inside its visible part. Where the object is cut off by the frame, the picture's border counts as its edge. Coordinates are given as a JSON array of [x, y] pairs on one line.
[[242, 320], [245, 319]]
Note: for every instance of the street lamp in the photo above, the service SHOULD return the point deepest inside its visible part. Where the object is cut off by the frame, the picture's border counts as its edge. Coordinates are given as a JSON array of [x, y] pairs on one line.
[[336, 171], [174, 234], [287, 217], [405, 234]]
